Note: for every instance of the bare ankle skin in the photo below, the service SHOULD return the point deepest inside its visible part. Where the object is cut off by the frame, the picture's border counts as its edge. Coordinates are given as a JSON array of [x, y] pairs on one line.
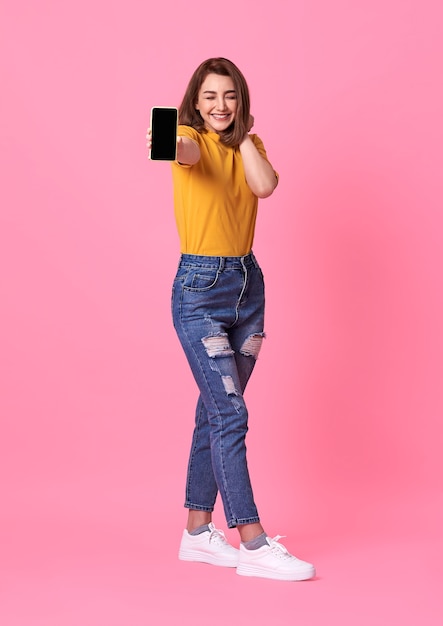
[[250, 531], [197, 518], [200, 518]]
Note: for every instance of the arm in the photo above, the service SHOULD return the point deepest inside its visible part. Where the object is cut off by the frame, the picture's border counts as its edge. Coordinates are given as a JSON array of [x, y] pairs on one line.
[[188, 152], [260, 174]]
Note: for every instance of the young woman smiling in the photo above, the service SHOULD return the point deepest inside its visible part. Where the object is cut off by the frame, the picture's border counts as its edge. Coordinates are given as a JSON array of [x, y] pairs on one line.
[[218, 312]]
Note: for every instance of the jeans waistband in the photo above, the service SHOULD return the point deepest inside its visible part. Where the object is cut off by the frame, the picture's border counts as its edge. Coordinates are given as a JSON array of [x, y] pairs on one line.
[[219, 262]]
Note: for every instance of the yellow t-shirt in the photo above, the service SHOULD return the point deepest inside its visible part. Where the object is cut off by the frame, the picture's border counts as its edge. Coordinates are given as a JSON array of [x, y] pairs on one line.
[[215, 210]]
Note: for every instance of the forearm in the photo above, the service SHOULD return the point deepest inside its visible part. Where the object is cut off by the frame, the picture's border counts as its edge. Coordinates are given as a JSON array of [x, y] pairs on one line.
[[188, 152], [259, 173]]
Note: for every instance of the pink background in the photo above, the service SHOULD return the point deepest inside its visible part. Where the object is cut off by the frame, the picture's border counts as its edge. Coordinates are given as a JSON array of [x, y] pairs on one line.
[[96, 398]]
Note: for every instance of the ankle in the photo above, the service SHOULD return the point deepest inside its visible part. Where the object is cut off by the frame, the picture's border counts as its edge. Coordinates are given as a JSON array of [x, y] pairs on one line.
[[255, 544], [196, 519], [248, 532], [198, 531]]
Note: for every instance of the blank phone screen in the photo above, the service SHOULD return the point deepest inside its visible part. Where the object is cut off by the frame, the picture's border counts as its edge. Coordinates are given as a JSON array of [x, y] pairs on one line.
[[164, 134]]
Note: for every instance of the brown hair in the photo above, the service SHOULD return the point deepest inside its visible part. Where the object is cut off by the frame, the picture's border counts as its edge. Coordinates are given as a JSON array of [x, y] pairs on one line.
[[189, 116]]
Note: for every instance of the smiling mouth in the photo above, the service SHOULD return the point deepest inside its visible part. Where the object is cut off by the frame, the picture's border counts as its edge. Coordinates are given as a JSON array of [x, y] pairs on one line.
[[221, 117]]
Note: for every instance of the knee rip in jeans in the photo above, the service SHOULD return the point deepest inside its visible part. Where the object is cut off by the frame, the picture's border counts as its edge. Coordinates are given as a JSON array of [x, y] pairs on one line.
[[252, 345], [217, 345]]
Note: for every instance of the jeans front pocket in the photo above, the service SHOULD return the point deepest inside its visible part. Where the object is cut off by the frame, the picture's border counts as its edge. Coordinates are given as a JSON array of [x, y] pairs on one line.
[[201, 279]]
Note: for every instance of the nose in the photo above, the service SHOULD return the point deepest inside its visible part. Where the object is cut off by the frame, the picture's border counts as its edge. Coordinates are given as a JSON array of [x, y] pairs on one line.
[[221, 104]]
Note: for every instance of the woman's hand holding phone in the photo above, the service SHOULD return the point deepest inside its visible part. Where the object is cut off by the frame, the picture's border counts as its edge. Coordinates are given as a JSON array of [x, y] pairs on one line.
[[163, 134], [149, 139]]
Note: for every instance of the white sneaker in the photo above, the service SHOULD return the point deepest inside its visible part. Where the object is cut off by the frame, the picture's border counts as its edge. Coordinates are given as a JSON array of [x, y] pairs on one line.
[[208, 547], [273, 561]]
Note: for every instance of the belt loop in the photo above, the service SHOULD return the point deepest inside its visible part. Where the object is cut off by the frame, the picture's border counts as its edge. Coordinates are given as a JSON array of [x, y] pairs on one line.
[[221, 265]]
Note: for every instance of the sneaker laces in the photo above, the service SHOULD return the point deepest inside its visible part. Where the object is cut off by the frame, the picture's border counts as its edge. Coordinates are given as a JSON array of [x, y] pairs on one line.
[[278, 549], [217, 536]]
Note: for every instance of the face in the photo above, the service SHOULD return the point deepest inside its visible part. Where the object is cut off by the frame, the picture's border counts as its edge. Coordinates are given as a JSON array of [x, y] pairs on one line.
[[217, 102]]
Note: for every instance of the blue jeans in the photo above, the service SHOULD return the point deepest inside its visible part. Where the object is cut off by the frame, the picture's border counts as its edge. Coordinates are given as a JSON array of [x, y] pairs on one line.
[[218, 313]]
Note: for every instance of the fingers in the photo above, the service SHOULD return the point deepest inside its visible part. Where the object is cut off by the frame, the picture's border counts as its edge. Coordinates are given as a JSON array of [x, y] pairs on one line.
[[149, 139]]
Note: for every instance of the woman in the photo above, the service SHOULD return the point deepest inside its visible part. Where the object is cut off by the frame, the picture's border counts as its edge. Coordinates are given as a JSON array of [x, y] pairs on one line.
[[218, 311]]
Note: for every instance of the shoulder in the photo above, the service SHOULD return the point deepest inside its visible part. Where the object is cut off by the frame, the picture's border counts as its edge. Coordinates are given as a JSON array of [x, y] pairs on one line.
[[188, 131]]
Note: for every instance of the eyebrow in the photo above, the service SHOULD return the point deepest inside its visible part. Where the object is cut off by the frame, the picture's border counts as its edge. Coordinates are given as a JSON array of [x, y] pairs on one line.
[[214, 92]]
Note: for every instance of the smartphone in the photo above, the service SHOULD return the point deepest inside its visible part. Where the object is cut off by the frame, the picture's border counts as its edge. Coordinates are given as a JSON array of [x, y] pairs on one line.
[[164, 122]]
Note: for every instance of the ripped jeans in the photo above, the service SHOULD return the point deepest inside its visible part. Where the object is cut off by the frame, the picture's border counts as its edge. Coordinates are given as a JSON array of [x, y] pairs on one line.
[[218, 313]]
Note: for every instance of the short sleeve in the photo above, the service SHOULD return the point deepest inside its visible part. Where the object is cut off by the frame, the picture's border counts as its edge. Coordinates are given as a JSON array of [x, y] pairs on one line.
[[258, 143], [188, 131]]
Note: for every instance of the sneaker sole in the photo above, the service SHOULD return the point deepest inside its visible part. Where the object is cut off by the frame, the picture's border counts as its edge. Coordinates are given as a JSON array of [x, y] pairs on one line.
[[204, 557], [260, 572]]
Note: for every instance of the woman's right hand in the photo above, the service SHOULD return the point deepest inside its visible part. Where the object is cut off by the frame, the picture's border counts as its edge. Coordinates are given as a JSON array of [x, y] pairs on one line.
[[149, 139]]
